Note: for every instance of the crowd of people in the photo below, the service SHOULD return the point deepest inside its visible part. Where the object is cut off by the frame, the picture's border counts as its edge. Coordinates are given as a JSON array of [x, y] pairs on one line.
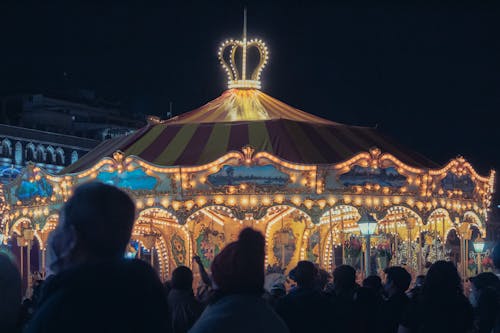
[[90, 287]]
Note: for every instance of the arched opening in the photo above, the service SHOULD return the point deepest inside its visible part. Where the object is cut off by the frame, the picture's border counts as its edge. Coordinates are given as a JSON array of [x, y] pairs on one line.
[[211, 228], [30, 153], [404, 229], [74, 156], [6, 148], [338, 226], [434, 236], [452, 247], [286, 240], [159, 239], [40, 154], [51, 155], [59, 156]]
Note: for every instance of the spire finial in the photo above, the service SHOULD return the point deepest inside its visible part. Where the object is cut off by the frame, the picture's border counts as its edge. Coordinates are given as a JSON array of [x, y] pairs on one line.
[[237, 79], [245, 23]]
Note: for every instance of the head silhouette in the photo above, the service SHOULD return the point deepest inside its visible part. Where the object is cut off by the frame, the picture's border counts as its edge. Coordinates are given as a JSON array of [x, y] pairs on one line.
[[344, 277], [94, 224], [397, 280], [442, 281], [305, 274], [182, 278], [239, 267]]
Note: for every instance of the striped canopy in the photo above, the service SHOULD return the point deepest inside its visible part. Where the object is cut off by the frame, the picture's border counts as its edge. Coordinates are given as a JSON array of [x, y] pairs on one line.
[[241, 117]]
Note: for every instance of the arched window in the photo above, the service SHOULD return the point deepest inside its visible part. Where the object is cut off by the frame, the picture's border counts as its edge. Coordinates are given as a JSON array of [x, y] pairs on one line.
[[30, 152], [6, 148], [59, 156], [51, 155], [18, 155], [40, 153], [74, 156]]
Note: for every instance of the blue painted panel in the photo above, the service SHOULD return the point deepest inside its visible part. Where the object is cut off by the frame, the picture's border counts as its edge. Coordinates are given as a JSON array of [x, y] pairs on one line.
[[383, 176], [453, 182], [29, 190], [7, 174], [132, 180], [261, 175]]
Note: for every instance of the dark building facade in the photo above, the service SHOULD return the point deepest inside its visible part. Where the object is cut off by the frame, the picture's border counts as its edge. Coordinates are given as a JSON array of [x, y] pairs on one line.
[[80, 114], [54, 130], [51, 151]]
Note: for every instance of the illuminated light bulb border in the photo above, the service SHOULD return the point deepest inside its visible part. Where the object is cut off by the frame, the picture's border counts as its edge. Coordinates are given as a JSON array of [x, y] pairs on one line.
[[234, 77]]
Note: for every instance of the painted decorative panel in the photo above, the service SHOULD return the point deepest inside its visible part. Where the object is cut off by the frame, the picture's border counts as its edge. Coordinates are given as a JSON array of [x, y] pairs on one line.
[[382, 176], [208, 244], [313, 247], [261, 175], [178, 249], [29, 190], [132, 180], [453, 182]]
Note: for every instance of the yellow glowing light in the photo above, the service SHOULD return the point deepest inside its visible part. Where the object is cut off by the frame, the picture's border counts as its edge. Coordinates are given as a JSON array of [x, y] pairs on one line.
[[176, 205], [237, 77], [279, 198]]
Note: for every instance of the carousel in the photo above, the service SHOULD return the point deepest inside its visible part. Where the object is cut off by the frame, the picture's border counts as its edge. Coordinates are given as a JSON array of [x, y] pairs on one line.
[[318, 190]]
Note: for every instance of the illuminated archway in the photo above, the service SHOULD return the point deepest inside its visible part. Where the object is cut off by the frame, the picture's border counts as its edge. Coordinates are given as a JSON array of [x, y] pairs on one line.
[[335, 224], [474, 219], [286, 233], [172, 242]]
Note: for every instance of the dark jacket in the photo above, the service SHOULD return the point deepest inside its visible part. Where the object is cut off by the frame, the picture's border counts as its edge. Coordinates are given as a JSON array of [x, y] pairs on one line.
[[305, 310], [439, 315], [184, 309], [392, 313], [242, 313], [119, 296]]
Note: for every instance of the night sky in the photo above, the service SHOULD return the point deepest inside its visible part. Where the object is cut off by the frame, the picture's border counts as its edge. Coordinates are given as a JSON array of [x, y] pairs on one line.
[[428, 75]]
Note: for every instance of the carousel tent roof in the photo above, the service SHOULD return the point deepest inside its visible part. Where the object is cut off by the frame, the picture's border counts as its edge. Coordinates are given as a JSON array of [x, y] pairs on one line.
[[241, 117]]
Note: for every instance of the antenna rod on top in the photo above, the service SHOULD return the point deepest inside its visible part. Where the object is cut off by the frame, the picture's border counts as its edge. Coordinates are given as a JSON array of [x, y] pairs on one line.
[[245, 23], [244, 53]]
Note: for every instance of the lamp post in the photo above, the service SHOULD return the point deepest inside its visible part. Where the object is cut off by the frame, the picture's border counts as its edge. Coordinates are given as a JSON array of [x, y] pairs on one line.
[[367, 225], [479, 249]]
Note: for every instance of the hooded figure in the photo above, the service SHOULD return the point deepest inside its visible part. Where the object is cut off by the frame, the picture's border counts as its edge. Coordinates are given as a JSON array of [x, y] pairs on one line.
[[238, 278]]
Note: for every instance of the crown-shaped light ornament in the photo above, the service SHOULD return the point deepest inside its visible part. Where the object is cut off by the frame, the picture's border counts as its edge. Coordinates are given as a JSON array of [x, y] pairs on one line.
[[237, 78]]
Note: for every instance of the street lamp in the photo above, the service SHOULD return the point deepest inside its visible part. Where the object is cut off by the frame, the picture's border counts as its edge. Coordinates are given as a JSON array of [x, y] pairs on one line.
[[367, 225], [478, 248]]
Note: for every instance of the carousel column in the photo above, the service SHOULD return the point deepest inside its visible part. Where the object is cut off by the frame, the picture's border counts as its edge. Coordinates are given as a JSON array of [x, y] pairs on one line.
[[43, 254], [436, 239], [410, 225], [443, 240], [419, 259], [396, 245], [20, 242], [29, 235], [465, 234]]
